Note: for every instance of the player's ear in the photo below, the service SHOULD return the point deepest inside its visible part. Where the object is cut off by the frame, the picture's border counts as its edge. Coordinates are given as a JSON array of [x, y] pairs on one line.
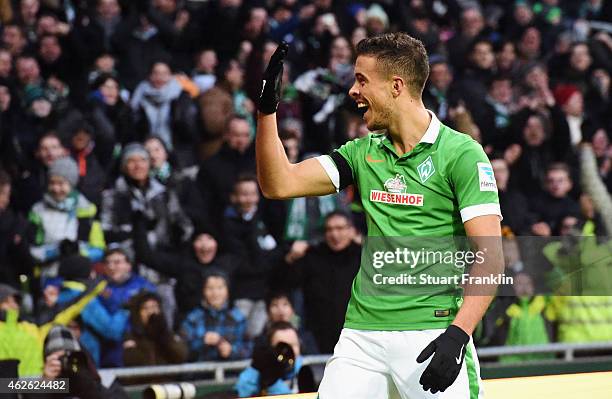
[[398, 86]]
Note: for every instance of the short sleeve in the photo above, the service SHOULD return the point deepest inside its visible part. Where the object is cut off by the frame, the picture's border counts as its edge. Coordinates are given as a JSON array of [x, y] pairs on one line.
[[474, 183], [340, 165]]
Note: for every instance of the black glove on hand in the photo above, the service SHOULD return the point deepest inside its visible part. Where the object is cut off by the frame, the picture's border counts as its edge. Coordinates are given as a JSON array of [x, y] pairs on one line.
[[448, 351], [272, 78]]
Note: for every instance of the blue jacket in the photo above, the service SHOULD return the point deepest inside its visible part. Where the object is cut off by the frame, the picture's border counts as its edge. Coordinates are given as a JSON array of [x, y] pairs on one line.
[[99, 324], [117, 295], [228, 322], [248, 382]]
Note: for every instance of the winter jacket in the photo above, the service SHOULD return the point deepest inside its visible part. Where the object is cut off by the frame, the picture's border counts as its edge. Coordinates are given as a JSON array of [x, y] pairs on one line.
[[218, 174], [100, 327], [23, 340], [153, 343], [228, 322], [184, 267], [326, 279], [167, 225], [169, 113], [248, 382], [73, 219], [250, 239]]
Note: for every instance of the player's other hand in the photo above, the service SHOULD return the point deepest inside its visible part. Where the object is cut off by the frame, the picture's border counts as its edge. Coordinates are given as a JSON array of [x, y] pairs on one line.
[[272, 78], [448, 351]]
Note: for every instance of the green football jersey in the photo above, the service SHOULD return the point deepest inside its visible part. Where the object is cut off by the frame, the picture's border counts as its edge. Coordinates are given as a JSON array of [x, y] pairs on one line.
[[430, 191]]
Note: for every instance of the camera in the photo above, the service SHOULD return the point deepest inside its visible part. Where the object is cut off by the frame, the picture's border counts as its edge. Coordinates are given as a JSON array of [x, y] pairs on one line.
[[273, 362], [73, 362]]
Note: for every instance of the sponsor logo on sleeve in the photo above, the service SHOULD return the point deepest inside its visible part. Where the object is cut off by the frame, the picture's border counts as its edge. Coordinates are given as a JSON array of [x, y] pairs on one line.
[[486, 178], [396, 193]]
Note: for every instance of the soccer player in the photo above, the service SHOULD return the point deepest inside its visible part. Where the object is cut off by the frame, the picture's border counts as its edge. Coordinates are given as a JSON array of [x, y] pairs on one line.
[[416, 177]]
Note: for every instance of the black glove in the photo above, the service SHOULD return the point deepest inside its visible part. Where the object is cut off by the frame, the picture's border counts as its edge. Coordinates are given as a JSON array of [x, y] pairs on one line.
[[272, 78], [448, 351]]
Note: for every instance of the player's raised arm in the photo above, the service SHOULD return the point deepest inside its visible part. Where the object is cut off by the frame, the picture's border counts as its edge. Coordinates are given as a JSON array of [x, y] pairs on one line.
[[278, 178]]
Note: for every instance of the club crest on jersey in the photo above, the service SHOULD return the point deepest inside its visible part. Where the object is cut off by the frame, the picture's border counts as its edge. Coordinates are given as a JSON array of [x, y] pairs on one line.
[[426, 169], [486, 177], [396, 193]]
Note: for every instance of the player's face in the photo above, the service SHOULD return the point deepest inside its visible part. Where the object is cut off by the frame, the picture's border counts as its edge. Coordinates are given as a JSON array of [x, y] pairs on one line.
[[372, 92]]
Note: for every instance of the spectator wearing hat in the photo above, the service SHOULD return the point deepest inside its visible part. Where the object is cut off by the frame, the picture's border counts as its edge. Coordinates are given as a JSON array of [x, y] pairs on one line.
[[23, 340], [60, 345], [568, 122], [135, 191], [215, 330], [63, 222], [164, 167], [148, 340]]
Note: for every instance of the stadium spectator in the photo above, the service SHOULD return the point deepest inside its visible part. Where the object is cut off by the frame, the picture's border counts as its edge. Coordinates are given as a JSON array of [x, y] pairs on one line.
[[514, 205], [135, 191], [250, 382], [64, 221], [23, 340], [552, 206], [218, 174], [14, 249], [215, 330], [248, 236], [188, 267], [325, 273], [111, 118], [163, 108], [98, 327], [280, 309], [149, 341], [123, 284]]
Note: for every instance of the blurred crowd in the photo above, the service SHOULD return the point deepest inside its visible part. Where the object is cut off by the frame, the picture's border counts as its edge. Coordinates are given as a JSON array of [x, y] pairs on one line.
[[127, 160]]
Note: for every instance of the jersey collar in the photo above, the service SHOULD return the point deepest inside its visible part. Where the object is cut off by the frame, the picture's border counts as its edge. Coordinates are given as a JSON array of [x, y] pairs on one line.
[[430, 136]]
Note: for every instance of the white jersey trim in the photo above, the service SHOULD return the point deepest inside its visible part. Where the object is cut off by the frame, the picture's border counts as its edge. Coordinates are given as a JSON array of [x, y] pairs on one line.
[[330, 169], [470, 212]]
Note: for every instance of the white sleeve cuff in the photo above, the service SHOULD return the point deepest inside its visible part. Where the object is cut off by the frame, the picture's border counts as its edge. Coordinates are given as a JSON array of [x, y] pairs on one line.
[[470, 212], [330, 169]]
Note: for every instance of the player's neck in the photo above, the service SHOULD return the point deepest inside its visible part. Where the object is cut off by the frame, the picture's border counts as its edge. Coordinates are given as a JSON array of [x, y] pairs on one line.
[[408, 127]]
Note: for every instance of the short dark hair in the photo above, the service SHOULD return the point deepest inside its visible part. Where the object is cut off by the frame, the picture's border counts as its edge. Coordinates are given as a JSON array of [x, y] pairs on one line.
[[273, 296], [245, 177], [279, 326], [401, 54], [562, 166], [114, 248], [340, 213]]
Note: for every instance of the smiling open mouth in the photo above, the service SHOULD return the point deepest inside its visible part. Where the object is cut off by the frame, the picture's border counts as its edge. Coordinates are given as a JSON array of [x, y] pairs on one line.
[[362, 107]]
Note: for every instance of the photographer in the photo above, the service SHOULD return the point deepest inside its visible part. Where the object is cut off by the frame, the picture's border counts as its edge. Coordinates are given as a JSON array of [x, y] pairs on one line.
[[149, 341], [268, 375], [65, 359]]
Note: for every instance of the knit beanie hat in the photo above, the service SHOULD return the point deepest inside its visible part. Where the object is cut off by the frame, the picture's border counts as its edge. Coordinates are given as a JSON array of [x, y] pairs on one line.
[[66, 168], [564, 92], [133, 149]]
